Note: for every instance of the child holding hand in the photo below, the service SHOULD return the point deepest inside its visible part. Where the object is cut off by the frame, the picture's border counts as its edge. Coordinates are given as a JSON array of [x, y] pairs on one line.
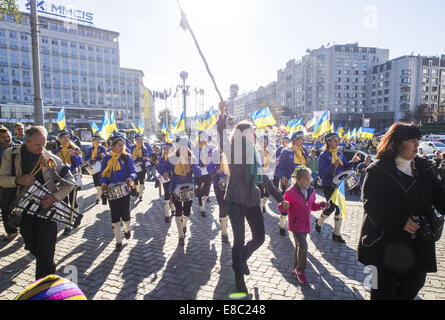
[[301, 197]]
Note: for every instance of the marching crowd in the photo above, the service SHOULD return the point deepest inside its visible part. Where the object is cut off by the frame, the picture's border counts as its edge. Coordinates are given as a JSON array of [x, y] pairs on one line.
[[244, 175]]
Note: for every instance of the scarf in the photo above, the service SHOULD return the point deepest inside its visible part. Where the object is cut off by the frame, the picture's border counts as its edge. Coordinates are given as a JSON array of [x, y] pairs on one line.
[[94, 154], [298, 156], [137, 152], [334, 154], [405, 166], [113, 164], [182, 168], [64, 154]]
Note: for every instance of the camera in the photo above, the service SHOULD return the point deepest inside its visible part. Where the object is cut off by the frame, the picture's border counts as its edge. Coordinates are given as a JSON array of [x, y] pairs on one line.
[[426, 231]]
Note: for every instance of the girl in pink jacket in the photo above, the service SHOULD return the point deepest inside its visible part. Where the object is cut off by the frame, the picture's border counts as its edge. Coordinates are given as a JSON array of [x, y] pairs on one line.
[[301, 197]]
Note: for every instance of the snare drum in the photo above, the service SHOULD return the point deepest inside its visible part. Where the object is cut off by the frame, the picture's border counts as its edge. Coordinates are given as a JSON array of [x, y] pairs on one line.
[[93, 169], [185, 192], [117, 191]]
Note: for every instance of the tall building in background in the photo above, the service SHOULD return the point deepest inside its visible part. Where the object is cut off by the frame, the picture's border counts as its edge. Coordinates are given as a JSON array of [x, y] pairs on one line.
[[80, 70], [401, 85]]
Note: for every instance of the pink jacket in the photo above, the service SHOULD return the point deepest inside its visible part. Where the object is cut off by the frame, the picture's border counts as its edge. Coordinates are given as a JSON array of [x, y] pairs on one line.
[[300, 209]]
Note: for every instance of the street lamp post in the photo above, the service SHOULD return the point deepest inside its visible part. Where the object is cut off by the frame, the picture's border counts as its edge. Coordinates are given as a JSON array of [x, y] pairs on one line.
[[38, 102], [184, 76]]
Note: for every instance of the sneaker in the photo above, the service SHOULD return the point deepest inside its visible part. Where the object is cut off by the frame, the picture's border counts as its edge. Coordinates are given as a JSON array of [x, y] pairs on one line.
[[338, 238], [301, 277], [118, 247], [128, 235], [181, 242], [317, 227], [97, 201], [203, 214], [9, 237], [240, 284], [283, 232], [67, 231]]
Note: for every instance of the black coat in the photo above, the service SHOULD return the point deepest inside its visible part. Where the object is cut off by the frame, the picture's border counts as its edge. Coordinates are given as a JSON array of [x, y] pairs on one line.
[[388, 206]]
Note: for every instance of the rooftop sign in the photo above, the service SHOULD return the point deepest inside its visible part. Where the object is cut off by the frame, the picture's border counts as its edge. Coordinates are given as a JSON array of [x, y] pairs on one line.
[[60, 11]]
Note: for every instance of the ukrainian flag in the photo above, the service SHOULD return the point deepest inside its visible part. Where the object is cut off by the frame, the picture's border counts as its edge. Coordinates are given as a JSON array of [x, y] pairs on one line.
[[141, 127], [113, 123], [180, 126], [339, 198], [354, 133], [197, 121], [61, 121], [209, 120], [332, 128], [105, 129], [311, 123], [340, 131], [368, 133], [359, 133], [94, 127], [263, 118], [166, 132], [322, 126], [348, 135]]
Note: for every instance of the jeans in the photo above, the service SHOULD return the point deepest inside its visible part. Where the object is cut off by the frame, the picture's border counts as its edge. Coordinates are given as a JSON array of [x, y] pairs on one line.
[[151, 173], [240, 252], [301, 246]]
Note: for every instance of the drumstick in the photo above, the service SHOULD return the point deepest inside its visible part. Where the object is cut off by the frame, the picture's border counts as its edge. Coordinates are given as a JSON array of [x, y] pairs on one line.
[[73, 204]]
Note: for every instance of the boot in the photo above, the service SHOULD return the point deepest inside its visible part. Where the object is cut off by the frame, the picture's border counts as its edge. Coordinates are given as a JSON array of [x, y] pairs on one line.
[[224, 234], [263, 204], [167, 211], [127, 230], [98, 195], [283, 225], [336, 236], [117, 235], [184, 224], [240, 284], [319, 222], [180, 227], [141, 191]]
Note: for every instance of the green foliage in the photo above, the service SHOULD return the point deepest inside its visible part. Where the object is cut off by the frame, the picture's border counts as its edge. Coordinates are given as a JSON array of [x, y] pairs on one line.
[[11, 8]]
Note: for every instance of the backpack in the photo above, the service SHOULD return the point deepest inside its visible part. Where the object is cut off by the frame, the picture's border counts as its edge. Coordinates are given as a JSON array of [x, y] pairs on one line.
[[8, 195]]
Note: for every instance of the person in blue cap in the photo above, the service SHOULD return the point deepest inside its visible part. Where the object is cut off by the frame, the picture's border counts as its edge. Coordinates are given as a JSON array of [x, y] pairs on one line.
[[118, 167], [70, 155], [95, 154], [290, 158], [331, 163], [204, 153], [164, 169], [140, 153]]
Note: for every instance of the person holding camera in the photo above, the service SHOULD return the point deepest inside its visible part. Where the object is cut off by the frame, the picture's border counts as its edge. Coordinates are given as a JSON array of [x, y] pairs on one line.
[[400, 195]]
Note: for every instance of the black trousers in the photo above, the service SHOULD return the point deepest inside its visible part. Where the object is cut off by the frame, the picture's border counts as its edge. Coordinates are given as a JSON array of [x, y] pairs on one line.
[[6, 212], [96, 179], [40, 237], [240, 252], [223, 205], [167, 194], [395, 286], [264, 193], [204, 183], [140, 178], [328, 191], [277, 182], [120, 209], [183, 209]]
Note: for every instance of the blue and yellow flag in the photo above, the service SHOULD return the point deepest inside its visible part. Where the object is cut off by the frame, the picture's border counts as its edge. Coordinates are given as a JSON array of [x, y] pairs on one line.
[[348, 135], [141, 127], [180, 125], [209, 120], [340, 131], [332, 127], [322, 126], [339, 198], [105, 129], [61, 120], [354, 133], [94, 127], [263, 118], [113, 123], [368, 133], [311, 123]]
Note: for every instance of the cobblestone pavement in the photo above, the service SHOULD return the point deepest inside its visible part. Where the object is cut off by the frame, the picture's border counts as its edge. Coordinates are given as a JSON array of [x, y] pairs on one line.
[[152, 265]]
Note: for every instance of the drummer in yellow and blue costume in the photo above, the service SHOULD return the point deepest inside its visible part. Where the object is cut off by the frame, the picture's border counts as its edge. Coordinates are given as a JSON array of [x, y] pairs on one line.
[[164, 169], [140, 153], [96, 153], [331, 163], [182, 172], [118, 167], [290, 158]]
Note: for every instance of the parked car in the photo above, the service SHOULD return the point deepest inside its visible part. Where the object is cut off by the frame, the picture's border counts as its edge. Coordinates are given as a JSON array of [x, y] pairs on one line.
[[429, 147]]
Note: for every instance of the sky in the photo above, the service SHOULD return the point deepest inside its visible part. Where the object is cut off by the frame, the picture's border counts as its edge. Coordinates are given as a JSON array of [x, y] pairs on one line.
[[247, 41]]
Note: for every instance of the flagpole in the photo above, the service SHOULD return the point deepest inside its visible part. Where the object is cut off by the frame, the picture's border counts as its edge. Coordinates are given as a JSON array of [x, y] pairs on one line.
[[199, 50]]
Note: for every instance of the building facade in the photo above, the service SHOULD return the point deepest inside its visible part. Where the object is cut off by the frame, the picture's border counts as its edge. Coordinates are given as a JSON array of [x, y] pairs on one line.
[[399, 86], [80, 71]]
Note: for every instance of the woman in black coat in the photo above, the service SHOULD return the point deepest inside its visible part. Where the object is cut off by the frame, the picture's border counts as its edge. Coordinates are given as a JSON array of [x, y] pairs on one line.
[[399, 191]]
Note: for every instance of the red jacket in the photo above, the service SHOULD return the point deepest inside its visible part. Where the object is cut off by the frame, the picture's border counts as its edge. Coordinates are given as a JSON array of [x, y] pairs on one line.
[[300, 209]]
